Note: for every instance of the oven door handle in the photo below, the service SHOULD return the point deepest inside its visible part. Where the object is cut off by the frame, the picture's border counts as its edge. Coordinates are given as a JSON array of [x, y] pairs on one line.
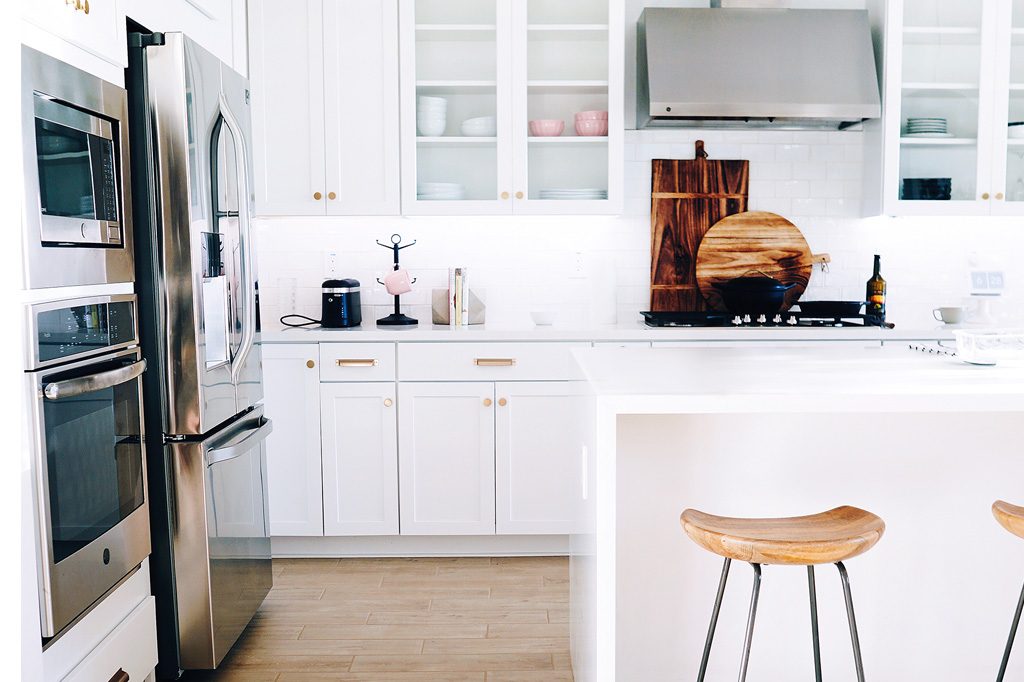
[[236, 448], [69, 388]]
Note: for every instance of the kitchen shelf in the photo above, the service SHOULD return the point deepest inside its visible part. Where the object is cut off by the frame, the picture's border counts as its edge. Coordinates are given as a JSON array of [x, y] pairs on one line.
[[1015, 142], [455, 86], [582, 86], [568, 139], [937, 141], [454, 140], [455, 32], [941, 35], [567, 32]]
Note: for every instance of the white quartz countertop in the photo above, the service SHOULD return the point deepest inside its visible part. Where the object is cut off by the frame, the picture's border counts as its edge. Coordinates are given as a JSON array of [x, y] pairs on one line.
[[630, 331], [798, 379]]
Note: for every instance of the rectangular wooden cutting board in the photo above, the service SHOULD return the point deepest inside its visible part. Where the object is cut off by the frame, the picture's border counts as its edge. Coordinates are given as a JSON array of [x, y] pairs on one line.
[[687, 198]]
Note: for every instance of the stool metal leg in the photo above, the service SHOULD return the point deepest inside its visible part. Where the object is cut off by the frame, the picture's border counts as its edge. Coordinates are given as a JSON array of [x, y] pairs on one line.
[[750, 622], [814, 623], [714, 621], [853, 621], [1013, 634]]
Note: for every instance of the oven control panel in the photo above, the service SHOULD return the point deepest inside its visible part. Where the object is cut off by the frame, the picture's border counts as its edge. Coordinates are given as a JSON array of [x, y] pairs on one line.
[[72, 329]]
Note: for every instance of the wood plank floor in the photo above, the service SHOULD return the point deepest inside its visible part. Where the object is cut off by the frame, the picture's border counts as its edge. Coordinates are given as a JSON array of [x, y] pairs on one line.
[[472, 619]]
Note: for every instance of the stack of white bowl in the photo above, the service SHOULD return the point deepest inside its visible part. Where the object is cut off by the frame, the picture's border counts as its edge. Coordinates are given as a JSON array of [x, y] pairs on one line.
[[482, 126], [431, 115], [566, 194], [440, 191]]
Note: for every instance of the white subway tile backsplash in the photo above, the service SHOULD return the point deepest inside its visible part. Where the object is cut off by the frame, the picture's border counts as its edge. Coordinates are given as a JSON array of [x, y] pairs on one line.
[[793, 152], [792, 188]]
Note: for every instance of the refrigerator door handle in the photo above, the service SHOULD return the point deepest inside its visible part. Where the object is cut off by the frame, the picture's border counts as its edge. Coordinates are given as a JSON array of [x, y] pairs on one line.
[[244, 243], [238, 447]]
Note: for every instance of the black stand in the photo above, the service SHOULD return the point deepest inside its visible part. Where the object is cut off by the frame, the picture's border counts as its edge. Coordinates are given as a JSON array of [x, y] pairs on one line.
[[396, 319]]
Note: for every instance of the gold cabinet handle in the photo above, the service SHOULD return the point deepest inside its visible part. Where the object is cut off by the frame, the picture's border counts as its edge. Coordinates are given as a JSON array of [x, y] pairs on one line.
[[504, 195], [85, 6], [366, 362], [388, 402], [985, 196], [318, 196], [488, 402], [332, 196], [495, 362], [999, 196], [519, 195], [502, 402], [310, 364]]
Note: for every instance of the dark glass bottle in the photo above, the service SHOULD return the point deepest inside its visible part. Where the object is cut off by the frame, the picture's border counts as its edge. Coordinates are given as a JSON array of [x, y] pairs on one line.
[[876, 292]]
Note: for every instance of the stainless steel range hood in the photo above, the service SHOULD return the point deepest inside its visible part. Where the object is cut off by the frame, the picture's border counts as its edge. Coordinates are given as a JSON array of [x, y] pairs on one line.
[[793, 68]]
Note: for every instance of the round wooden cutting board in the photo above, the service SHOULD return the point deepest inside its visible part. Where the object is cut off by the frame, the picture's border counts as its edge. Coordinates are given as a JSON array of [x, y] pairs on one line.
[[752, 243]]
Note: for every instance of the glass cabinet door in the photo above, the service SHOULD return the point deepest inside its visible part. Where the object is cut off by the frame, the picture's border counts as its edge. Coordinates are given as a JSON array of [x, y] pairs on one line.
[[1009, 141], [562, 105], [943, 141], [456, 107]]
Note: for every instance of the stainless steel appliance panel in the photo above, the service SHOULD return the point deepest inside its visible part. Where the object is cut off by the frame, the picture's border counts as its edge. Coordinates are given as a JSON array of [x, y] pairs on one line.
[[94, 245], [221, 537], [91, 493]]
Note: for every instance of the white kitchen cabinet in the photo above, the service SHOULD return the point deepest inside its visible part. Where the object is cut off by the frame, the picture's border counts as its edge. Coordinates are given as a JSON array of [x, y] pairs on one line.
[[959, 60], [513, 61], [214, 24], [538, 456], [324, 80], [291, 386], [87, 35], [360, 458], [446, 464]]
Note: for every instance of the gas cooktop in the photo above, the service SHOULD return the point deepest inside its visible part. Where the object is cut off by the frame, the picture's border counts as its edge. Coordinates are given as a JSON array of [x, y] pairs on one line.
[[787, 320]]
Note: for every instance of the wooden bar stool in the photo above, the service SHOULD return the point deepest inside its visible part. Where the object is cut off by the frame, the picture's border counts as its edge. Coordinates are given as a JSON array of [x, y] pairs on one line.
[[1010, 517], [827, 538]]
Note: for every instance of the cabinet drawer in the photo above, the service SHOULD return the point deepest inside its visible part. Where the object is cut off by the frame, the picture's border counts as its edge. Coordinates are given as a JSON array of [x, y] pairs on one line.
[[130, 647], [357, 362], [486, 361]]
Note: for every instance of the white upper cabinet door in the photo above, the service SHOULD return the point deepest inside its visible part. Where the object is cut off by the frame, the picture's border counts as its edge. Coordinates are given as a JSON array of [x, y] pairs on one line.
[[456, 106], [361, 106], [360, 458], [89, 36], [446, 462], [291, 384], [568, 58], [538, 460], [208, 22], [286, 70]]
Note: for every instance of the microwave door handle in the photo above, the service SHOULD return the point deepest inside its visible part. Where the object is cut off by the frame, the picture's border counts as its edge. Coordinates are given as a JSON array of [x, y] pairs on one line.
[[248, 284], [239, 447], [69, 388]]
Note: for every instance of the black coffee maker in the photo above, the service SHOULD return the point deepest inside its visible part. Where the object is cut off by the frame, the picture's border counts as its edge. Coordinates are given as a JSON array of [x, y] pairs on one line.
[[340, 305]]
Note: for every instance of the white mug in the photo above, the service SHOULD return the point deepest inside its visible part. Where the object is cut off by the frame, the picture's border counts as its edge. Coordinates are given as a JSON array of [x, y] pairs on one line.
[[949, 314]]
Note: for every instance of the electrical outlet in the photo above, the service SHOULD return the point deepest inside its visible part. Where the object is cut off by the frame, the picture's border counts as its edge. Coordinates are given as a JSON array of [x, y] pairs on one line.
[[288, 294], [579, 266], [987, 282], [331, 263]]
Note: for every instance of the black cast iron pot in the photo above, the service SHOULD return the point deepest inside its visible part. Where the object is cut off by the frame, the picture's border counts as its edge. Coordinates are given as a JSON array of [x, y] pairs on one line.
[[753, 295]]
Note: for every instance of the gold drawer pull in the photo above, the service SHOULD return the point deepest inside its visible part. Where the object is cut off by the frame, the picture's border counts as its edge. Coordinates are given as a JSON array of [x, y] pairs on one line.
[[495, 362], [357, 363]]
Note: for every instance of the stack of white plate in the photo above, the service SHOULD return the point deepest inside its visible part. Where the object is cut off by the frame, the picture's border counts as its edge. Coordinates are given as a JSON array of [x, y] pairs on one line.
[[440, 191], [482, 126], [927, 127], [573, 194], [431, 115]]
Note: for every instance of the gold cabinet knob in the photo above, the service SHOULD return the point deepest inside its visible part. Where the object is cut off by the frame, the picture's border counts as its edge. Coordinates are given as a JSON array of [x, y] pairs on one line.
[[332, 196], [318, 196], [85, 6], [388, 402], [78, 4], [999, 196], [504, 195], [503, 402], [310, 364], [519, 195], [985, 196], [488, 402]]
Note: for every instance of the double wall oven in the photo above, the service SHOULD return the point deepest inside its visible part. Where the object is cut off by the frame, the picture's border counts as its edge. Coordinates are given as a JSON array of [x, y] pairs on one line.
[[84, 376]]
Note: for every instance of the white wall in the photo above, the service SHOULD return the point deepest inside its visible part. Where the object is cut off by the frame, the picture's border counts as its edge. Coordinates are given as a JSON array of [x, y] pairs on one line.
[[528, 263]]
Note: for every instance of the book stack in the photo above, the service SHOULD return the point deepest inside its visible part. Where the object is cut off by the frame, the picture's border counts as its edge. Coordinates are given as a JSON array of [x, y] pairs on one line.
[[458, 298]]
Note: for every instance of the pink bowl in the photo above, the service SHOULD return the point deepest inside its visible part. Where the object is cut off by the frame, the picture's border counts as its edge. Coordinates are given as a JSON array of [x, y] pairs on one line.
[[547, 127], [591, 128], [592, 116]]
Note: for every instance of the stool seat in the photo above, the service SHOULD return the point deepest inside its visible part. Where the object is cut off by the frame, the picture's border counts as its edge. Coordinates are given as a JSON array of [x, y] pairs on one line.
[[1010, 517], [825, 538]]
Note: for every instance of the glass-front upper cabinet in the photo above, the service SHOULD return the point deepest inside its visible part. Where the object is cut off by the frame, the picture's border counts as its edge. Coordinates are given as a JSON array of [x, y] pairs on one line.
[[511, 106], [1008, 135]]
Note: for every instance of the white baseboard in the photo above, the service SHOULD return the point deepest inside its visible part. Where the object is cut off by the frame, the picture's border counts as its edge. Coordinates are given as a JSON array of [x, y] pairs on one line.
[[421, 545]]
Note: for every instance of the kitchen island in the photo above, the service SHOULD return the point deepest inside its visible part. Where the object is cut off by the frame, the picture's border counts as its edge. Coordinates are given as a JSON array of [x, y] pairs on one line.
[[925, 441]]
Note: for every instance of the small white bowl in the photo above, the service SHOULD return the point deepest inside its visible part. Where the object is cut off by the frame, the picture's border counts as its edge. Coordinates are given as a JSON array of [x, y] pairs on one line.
[[542, 318]]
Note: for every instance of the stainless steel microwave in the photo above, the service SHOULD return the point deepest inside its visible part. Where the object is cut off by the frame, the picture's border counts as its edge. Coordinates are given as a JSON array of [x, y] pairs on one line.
[[78, 227]]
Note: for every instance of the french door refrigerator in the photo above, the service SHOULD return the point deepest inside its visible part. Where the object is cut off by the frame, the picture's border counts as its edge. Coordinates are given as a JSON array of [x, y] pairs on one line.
[[189, 117]]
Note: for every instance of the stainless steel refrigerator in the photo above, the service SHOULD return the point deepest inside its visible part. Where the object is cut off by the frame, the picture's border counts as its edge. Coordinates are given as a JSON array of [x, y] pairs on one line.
[[191, 144]]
